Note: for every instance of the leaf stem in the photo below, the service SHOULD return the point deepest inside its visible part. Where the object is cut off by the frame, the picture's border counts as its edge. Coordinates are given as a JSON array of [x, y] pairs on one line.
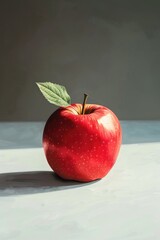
[[84, 103]]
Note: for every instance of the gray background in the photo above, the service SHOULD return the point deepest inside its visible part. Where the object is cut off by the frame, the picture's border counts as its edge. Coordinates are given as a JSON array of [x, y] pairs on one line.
[[109, 49]]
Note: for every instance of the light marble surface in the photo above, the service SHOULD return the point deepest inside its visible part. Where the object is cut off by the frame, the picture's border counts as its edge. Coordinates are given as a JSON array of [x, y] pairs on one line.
[[35, 204]]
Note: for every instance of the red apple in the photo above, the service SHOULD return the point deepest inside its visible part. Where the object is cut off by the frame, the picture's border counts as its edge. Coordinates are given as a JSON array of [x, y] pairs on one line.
[[82, 147]]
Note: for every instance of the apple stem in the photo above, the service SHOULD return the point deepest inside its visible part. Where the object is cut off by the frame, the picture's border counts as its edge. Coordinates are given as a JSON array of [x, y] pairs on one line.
[[84, 103]]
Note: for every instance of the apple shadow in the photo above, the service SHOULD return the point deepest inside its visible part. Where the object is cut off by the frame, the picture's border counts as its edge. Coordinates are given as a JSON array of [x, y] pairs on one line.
[[20, 183]]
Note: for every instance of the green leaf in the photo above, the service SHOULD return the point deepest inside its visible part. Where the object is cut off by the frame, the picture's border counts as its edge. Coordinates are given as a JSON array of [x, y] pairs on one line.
[[55, 93]]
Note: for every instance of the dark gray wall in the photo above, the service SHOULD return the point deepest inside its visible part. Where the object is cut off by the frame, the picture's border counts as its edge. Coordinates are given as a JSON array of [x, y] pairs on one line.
[[110, 49]]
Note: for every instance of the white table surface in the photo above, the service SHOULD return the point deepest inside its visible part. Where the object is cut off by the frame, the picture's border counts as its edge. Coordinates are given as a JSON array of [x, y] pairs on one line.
[[35, 204]]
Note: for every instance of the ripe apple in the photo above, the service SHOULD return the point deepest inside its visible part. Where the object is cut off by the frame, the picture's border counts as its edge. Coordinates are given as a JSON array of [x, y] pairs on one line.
[[82, 141]]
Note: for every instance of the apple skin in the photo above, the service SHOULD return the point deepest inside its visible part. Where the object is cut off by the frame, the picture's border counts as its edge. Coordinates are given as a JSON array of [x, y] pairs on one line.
[[82, 147]]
